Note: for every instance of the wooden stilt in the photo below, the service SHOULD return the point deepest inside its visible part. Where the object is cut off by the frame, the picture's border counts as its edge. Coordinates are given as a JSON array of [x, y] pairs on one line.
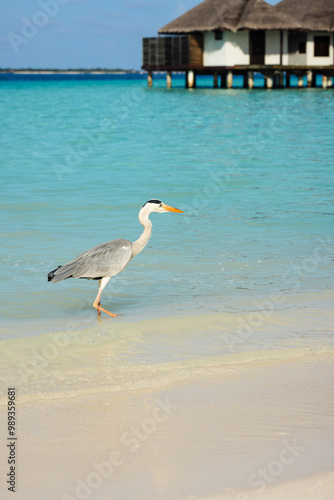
[[150, 78], [269, 82], [324, 81], [229, 79], [169, 79], [191, 81], [274, 78], [309, 78], [250, 77]]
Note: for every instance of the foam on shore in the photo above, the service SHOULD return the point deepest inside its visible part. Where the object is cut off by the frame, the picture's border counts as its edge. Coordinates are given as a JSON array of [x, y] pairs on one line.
[[124, 355]]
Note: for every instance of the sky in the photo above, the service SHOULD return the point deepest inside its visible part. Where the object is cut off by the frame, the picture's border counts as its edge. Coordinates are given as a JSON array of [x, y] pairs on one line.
[[66, 34]]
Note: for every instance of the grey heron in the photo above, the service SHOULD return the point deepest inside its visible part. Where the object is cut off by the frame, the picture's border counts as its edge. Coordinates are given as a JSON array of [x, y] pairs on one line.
[[108, 259]]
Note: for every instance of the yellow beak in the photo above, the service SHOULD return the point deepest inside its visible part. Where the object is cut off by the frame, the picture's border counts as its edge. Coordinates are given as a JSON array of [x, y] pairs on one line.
[[172, 209]]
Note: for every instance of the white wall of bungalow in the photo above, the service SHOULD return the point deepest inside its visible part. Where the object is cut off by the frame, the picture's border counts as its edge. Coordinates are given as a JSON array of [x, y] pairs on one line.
[[233, 49]]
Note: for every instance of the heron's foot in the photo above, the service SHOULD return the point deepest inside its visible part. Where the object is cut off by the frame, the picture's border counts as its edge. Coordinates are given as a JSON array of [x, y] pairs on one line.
[[99, 309]]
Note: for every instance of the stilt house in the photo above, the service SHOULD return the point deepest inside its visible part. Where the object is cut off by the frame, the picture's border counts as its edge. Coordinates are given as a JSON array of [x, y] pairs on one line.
[[226, 37]]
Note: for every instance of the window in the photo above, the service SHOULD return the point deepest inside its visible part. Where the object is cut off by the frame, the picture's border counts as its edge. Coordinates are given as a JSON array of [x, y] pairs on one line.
[[321, 46], [218, 35], [302, 47]]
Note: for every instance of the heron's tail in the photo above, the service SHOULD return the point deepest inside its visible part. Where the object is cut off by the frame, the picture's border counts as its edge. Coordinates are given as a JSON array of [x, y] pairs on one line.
[[60, 273]]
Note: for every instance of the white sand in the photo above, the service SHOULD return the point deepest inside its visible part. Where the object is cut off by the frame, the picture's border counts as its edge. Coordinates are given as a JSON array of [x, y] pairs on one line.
[[319, 487], [248, 431]]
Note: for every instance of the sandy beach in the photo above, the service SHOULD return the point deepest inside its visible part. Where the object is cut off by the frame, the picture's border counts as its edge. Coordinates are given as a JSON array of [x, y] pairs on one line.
[[236, 427], [215, 380]]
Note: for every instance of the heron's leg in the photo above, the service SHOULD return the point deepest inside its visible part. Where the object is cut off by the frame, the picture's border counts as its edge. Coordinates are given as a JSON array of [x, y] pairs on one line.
[[97, 304]]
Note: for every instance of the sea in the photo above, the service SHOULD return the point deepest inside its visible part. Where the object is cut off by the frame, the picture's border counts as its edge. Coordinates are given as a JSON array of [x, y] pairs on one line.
[[246, 271]]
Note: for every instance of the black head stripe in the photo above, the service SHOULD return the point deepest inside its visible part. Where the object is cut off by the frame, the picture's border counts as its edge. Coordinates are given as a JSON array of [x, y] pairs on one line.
[[152, 201]]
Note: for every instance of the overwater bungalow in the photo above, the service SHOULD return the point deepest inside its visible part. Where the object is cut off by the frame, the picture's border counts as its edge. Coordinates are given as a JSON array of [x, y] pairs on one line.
[[239, 37]]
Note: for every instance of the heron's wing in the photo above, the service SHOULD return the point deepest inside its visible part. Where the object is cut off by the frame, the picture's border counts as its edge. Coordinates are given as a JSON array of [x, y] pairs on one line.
[[103, 260]]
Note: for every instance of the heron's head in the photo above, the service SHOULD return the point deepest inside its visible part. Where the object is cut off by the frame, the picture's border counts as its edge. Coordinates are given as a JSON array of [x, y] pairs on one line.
[[158, 206]]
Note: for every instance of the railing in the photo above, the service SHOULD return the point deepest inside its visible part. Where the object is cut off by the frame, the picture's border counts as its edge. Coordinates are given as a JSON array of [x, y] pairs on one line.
[[175, 52]]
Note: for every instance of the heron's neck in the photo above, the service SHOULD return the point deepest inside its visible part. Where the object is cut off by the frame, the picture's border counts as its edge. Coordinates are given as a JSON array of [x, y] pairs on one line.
[[139, 244]]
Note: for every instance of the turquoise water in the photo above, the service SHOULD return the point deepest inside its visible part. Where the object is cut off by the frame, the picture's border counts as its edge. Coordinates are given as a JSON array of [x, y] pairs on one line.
[[227, 313], [252, 170]]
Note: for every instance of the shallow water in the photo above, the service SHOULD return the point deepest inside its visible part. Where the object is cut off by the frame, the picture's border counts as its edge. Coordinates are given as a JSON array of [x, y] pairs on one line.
[[252, 171], [227, 313]]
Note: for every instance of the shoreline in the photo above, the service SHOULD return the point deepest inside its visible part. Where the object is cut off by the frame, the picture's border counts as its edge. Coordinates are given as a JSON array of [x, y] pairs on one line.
[[308, 309], [218, 373], [141, 399], [115, 355]]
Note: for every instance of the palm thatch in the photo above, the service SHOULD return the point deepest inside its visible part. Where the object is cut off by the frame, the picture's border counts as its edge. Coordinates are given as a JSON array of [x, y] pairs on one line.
[[209, 15], [306, 15], [234, 15], [259, 15]]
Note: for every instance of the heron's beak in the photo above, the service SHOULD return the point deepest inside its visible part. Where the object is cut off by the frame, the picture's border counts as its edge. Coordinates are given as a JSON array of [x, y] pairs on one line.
[[171, 209]]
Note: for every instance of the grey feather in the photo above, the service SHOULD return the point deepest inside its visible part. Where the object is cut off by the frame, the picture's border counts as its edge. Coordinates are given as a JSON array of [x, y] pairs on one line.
[[105, 260]]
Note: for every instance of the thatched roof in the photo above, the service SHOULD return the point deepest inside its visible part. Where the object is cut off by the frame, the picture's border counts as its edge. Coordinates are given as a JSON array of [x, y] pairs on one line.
[[209, 15], [308, 15], [259, 15], [233, 15]]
